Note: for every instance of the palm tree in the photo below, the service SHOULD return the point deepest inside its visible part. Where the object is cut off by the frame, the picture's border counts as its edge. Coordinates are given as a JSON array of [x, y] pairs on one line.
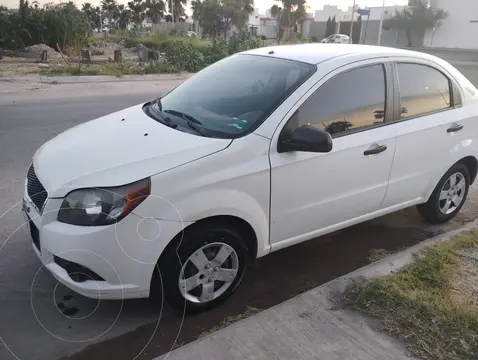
[[291, 13], [138, 8], [155, 10], [197, 9], [109, 7], [123, 17], [178, 8], [92, 14]]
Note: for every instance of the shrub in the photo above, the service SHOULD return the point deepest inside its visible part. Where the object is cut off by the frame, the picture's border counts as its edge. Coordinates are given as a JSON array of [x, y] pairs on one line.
[[216, 51], [184, 55], [243, 41], [161, 67]]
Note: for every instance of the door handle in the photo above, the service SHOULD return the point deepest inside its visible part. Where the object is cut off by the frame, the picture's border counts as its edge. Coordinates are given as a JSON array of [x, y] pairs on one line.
[[454, 128], [376, 150]]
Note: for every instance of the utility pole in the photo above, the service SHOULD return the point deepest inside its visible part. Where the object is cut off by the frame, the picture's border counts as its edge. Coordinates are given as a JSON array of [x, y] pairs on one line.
[[101, 21], [352, 24], [172, 11], [381, 23]]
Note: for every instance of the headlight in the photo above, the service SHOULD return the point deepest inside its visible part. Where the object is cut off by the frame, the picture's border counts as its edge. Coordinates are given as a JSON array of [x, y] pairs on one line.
[[102, 206]]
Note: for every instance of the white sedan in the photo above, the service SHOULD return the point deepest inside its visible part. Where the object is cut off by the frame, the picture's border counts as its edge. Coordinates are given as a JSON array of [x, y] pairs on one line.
[[337, 39], [260, 151]]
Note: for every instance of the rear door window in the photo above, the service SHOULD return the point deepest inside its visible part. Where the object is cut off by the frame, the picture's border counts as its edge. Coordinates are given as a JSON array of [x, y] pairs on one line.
[[423, 90]]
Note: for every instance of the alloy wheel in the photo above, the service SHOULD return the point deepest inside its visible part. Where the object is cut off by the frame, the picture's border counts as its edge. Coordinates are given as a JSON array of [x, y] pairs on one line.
[[452, 193], [208, 272]]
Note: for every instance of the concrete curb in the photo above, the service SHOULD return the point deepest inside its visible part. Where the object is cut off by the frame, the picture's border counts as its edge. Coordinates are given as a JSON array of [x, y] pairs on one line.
[[91, 78], [254, 336], [391, 263]]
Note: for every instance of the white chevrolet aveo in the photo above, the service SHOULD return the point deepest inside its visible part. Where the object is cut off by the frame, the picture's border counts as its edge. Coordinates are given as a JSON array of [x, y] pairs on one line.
[[258, 152]]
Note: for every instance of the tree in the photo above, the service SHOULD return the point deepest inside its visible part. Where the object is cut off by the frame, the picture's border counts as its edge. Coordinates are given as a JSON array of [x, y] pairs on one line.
[[217, 17], [178, 8], [109, 8], [276, 13], [235, 13], [123, 16], [209, 18], [196, 7], [328, 28], [64, 24], [138, 8], [416, 18], [155, 10], [291, 13], [92, 14]]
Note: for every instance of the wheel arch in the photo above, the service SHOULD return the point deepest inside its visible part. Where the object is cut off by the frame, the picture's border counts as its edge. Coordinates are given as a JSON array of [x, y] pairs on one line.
[[472, 164], [469, 161], [242, 226]]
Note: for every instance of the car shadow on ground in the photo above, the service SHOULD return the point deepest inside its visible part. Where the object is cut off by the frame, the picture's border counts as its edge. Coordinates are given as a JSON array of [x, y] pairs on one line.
[[270, 281]]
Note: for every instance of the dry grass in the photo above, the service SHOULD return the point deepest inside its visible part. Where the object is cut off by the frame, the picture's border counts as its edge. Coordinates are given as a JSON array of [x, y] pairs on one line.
[[231, 320], [430, 304], [378, 254]]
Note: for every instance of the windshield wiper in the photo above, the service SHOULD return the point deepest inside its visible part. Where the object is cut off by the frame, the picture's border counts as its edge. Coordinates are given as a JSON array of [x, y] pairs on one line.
[[183, 116], [165, 120], [195, 126], [192, 122]]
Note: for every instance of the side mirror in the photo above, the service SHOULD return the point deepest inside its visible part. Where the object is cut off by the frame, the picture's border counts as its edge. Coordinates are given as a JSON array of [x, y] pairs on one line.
[[307, 138]]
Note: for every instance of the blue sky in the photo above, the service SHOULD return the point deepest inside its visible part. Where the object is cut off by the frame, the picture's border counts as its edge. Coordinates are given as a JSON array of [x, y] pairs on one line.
[[263, 5]]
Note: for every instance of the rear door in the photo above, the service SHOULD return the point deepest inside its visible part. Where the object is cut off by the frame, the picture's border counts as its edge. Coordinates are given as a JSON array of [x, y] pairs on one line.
[[430, 124]]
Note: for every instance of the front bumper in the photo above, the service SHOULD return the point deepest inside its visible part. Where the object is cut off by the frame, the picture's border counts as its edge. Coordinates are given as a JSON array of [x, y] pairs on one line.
[[122, 255]]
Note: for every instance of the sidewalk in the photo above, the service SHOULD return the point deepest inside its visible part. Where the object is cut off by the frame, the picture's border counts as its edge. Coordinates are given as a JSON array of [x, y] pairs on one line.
[[308, 327], [21, 84], [65, 79]]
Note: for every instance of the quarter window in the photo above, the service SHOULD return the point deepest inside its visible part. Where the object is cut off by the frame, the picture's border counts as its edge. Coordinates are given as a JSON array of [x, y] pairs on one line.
[[423, 89], [352, 100]]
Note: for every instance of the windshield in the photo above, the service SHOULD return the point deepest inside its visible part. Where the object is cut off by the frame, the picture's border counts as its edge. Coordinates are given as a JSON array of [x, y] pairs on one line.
[[234, 96]]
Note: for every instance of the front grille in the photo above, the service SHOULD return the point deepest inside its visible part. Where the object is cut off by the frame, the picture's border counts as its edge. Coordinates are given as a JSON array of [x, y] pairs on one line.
[[77, 272], [35, 189]]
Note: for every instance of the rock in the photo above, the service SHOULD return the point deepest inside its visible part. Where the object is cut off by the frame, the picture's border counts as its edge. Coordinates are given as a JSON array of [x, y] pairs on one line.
[[140, 47], [96, 51], [36, 51], [44, 66]]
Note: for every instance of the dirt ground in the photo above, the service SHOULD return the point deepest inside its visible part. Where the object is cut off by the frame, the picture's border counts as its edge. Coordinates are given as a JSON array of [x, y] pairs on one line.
[[28, 62]]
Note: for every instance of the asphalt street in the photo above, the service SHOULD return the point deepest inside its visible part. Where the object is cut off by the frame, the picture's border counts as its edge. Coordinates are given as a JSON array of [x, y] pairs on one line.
[[31, 323], [40, 319]]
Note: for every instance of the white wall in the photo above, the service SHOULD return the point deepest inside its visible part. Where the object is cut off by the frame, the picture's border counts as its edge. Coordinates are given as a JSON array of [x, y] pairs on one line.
[[456, 31], [328, 11], [267, 28], [346, 15], [254, 18], [388, 11]]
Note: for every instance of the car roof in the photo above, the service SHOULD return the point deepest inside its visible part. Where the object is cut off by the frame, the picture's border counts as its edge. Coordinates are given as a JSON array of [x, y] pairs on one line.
[[316, 53]]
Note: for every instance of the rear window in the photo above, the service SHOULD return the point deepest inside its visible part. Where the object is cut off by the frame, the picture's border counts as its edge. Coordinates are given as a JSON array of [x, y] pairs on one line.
[[235, 95]]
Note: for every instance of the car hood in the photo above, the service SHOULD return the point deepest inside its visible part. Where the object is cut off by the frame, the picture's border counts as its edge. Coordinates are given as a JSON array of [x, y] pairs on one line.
[[116, 149]]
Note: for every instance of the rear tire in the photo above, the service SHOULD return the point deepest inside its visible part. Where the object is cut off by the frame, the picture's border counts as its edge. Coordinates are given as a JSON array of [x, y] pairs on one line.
[[205, 268], [449, 195]]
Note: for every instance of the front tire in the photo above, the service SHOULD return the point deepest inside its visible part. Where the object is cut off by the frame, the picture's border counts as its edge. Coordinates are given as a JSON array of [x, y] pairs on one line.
[[449, 195], [204, 269]]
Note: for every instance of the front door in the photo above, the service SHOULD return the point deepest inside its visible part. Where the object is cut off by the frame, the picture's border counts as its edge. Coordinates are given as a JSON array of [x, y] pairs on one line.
[[314, 193]]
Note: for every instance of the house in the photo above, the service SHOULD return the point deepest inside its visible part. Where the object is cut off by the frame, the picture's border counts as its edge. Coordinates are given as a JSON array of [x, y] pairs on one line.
[[459, 29], [370, 25]]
